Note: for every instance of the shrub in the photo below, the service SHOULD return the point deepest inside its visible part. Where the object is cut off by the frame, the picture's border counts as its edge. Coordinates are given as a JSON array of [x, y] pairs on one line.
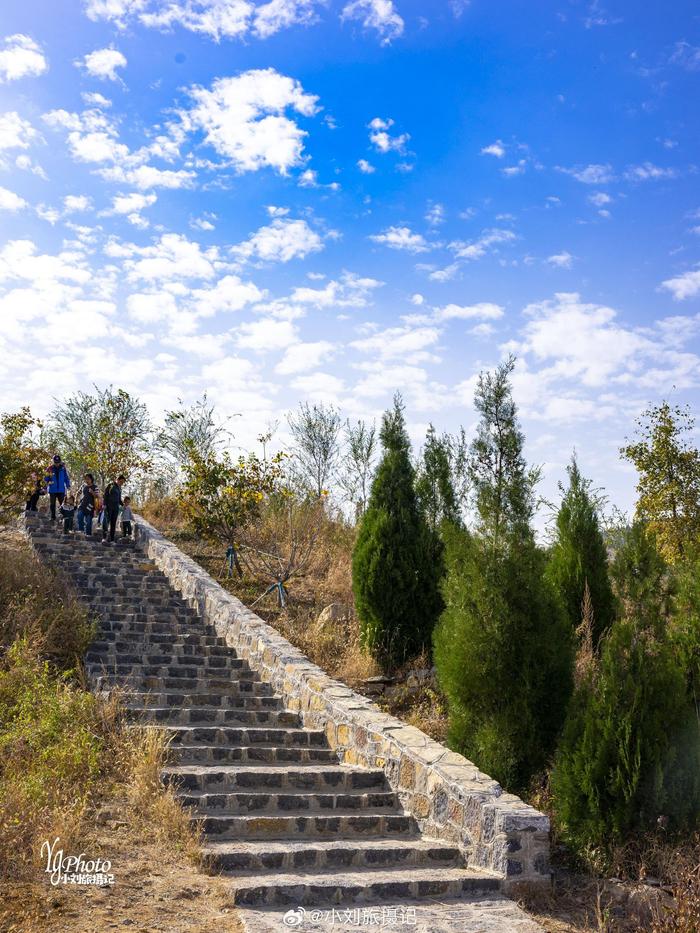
[[503, 655], [630, 753], [503, 649], [578, 557], [395, 572]]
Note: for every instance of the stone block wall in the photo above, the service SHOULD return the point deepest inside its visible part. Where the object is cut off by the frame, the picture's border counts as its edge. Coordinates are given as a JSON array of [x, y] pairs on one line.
[[447, 794]]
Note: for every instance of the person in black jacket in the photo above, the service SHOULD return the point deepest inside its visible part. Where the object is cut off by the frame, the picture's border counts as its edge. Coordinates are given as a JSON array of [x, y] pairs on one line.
[[86, 504], [112, 499]]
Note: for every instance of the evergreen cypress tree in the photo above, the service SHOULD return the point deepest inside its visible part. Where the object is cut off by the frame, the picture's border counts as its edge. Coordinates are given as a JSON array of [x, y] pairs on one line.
[[395, 571], [503, 649], [630, 751], [579, 557], [434, 485]]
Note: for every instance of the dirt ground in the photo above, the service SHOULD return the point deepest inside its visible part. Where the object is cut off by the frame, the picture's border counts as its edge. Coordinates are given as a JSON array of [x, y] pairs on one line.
[[154, 891]]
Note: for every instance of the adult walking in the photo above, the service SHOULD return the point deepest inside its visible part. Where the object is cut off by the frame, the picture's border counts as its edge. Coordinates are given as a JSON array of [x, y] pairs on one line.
[[57, 484], [111, 501], [86, 504]]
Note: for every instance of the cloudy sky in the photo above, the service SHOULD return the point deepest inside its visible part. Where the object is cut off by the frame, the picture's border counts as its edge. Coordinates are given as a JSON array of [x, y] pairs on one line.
[[275, 200]]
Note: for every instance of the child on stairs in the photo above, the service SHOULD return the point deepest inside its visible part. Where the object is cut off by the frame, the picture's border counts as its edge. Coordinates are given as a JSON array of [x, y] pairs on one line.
[[67, 511]]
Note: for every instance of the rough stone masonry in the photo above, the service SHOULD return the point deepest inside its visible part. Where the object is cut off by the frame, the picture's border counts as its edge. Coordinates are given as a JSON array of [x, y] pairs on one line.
[[447, 795]]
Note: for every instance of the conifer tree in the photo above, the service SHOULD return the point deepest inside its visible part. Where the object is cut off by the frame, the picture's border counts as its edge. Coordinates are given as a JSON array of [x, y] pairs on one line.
[[503, 648], [630, 752], [579, 558], [394, 572]]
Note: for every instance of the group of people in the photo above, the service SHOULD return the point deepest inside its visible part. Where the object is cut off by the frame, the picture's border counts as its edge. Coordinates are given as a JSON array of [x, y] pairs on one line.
[[107, 507]]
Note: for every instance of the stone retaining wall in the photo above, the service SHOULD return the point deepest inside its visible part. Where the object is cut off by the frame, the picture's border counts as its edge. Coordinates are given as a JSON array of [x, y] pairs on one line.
[[448, 795]]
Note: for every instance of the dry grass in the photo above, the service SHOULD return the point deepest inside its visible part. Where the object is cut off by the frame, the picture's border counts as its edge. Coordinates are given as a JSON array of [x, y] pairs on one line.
[[68, 763]]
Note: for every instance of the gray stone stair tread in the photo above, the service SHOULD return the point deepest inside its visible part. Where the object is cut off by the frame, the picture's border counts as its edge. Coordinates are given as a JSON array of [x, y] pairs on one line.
[[491, 913], [267, 768], [341, 877], [412, 840], [284, 815], [192, 727]]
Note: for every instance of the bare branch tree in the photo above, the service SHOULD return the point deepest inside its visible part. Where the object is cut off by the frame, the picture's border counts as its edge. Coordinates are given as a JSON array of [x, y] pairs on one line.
[[280, 547], [315, 429], [360, 450]]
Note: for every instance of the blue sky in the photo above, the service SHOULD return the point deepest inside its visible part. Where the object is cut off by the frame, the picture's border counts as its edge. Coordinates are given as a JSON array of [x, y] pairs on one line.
[[276, 200]]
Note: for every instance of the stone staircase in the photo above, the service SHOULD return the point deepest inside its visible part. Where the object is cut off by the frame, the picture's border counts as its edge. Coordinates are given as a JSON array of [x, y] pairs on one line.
[[280, 815]]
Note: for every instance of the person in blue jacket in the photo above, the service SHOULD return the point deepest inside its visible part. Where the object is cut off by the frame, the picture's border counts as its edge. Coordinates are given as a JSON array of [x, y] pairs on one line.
[[57, 484]]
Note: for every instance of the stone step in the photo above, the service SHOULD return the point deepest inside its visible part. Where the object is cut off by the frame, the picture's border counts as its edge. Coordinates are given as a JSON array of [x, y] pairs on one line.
[[349, 823], [258, 754], [215, 701], [283, 778], [172, 649], [139, 683], [178, 670], [195, 656], [175, 639], [231, 736], [338, 886], [155, 623], [187, 715], [235, 803], [322, 854]]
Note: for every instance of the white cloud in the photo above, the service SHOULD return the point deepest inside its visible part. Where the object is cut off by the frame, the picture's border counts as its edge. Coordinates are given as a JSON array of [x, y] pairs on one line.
[[15, 133], [244, 119], [93, 99], [218, 19], [495, 149], [476, 249], [352, 291], [276, 15], [599, 198], [561, 260], [266, 334], [103, 63], [172, 257], [203, 223], [21, 57], [9, 201], [302, 357], [683, 286], [402, 238], [647, 171], [147, 176], [435, 215], [320, 386], [229, 294], [581, 341], [686, 55], [76, 203], [407, 343], [482, 311], [280, 241], [381, 138], [380, 15], [131, 203], [365, 167], [594, 174]]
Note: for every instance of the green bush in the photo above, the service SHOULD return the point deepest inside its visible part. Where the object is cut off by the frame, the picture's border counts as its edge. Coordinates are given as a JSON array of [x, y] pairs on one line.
[[630, 753], [579, 557], [503, 649], [504, 658], [397, 561]]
